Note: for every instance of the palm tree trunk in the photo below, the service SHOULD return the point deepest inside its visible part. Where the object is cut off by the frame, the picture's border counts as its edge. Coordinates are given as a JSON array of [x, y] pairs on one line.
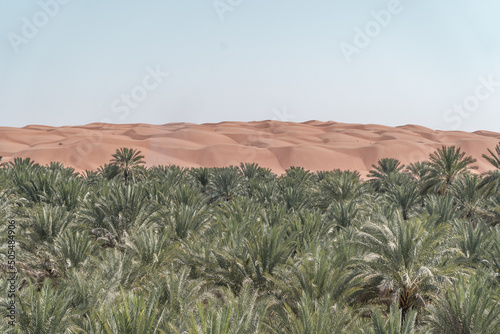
[[404, 304]]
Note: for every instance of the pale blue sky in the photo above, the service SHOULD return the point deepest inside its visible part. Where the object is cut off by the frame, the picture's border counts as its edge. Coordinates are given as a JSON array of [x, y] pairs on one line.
[[265, 60]]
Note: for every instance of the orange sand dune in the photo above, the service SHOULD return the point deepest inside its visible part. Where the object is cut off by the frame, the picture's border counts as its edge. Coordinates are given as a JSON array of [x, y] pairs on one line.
[[313, 145]]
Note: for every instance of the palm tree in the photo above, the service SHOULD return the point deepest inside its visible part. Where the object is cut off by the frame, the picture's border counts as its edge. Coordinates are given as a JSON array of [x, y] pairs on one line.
[[493, 157], [395, 324], [267, 247], [296, 176], [108, 171], [420, 171], [447, 164], [402, 191], [226, 184], [471, 305], [339, 186], [44, 312], [152, 247], [472, 243], [59, 167], [47, 222], [185, 220], [404, 260], [73, 248], [490, 183], [172, 175], [253, 170], [318, 272], [242, 313], [22, 163], [382, 170], [469, 196], [295, 198], [491, 179], [441, 209], [346, 213], [494, 252], [86, 289], [116, 269], [117, 208], [127, 160], [319, 316], [202, 175], [132, 313], [68, 192]]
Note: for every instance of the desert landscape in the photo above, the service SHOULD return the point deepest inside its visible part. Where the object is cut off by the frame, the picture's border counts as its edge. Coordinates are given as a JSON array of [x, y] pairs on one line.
[[277, 145], [250, 167]]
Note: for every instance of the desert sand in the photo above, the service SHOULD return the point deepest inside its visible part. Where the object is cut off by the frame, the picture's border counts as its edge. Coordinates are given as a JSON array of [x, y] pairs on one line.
[[313, 145]]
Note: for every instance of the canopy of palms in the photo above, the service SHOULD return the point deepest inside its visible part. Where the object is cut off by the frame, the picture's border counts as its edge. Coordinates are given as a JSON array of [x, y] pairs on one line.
[[165, 249]]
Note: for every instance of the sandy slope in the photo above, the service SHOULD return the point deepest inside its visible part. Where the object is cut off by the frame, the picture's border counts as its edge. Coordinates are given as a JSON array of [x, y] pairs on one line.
[[277, 145]]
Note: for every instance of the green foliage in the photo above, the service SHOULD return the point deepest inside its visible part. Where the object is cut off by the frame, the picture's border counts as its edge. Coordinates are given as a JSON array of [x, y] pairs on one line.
[[322, 316], [165, 249], [73, 248], [128, 162], [383, 170], [46, 311], [225, 184], [446, 165], [404, 260], [395, 324], [470, 306], [493, 157], [133, 313], [46, 222], [186, 219]]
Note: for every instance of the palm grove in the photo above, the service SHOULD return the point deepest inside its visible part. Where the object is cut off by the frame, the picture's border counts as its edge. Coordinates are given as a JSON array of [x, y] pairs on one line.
[[130, 249]]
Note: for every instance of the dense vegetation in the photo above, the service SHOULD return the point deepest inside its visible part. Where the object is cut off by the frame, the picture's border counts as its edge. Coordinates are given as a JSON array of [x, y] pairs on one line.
[[130, 249]]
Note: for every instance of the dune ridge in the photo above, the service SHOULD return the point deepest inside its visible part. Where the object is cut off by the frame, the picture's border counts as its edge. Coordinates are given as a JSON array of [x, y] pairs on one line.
[[314, 145]]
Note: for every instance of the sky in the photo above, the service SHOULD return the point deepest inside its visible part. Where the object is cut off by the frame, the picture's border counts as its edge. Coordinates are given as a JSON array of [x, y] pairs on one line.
[[426, 62]]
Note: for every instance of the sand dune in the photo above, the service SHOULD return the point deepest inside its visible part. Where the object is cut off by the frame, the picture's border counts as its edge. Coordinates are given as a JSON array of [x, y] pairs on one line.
[[313, 145]]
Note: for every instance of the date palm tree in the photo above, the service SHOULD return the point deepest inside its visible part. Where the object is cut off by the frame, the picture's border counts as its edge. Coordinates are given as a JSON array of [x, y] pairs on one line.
[[253, 170], [127, 160], [447, 164], [267, 247], [470, 197], [226, 183], [441, 209], [394, 323], [493, 157], [318, 272], [319, 316], [73, 248], [404, 260], [491, 179], [151, 247], [44, 312], [132, 313], [472, 243], [108, 171], [184, 220], [381, 171], [339, 186], [118, 208], [47, 222], [242, 313], [471, 305], [420, 171], [402, 191]]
